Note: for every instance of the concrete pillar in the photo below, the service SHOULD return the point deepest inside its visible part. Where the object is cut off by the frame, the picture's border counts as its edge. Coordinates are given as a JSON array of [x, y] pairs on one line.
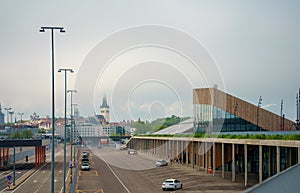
[[233, 164], [214, 159], [177, 149], [181, 151], [193, 156], [278, 159], [246, 164], [198, 155], [260, 157], [223, 161], [289, 156], [298, 154], [269, 162], [187, 153], [205, 156]]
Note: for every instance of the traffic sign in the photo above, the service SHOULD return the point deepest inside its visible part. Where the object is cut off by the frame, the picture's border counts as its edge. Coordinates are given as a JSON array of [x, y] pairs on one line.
[[71, 164], [9, 177]]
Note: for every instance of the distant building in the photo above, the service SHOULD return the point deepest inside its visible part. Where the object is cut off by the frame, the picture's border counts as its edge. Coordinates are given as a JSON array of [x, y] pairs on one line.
[[1, 115], [104, 110]]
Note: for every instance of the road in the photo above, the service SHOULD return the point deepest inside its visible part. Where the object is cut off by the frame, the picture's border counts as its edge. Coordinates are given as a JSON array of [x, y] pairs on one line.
[[40, 181], [120, 172], [114, 171]]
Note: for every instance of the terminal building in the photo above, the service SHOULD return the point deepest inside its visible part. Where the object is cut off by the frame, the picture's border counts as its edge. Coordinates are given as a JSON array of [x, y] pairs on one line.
[[254, 160]]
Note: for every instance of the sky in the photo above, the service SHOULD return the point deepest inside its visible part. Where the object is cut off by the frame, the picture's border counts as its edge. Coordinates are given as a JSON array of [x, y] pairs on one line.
[[147, 56]]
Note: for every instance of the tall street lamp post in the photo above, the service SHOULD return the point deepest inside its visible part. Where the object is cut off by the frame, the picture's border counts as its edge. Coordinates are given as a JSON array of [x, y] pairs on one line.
[[61, 30], [71, 131], [21, 114], [65, 134], [7, 111], [74, 126], [11, 116], [257, 113]]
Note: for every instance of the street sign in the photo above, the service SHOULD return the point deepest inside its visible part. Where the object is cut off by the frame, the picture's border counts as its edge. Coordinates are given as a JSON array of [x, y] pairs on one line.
[[9, 177]]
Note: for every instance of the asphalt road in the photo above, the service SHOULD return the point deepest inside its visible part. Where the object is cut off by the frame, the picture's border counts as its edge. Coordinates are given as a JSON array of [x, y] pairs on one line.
[[40, 181], [120, 172]]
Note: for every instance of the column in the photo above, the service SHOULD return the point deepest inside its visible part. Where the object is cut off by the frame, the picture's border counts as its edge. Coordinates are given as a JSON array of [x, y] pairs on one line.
[[198, 155], [233, 164], [223, 161], [205, 156], [177, 150], [260, 163], [298, 154], [187, 153], [246, 164], [214, 158], [181, 152], [269, 161], [193, 156], [278, 159]]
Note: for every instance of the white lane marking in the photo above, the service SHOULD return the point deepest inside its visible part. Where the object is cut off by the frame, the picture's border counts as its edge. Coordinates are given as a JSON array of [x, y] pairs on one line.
[[116, 176]]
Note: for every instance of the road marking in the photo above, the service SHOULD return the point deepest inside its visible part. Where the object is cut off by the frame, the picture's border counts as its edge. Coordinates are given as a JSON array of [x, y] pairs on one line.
[[88, 173], [34, 181], [116, 176], [84, 191]]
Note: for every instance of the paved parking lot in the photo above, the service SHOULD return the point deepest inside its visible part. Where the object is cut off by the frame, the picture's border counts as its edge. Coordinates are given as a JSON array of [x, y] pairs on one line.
[[139, 174]]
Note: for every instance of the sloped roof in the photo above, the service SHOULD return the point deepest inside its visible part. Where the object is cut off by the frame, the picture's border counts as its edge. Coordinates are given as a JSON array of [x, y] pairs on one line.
[[182, 127]]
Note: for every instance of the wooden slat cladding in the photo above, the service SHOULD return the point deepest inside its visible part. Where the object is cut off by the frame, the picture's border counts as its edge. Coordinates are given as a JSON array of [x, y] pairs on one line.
[[241, 108]]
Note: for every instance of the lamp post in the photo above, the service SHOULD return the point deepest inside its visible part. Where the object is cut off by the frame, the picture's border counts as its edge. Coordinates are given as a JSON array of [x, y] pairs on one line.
[[11, 116], [71, 132], [65, 150], [21, 114], [235, 116], [74, 125], [7, 111], [257, 113], [61, 30]]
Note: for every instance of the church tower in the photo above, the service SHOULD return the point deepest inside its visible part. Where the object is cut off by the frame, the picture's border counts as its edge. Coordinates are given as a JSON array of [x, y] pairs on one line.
[[104, 110]]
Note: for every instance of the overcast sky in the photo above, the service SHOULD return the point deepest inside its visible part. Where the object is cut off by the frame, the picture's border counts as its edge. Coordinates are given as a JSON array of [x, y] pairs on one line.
[[253, 48]]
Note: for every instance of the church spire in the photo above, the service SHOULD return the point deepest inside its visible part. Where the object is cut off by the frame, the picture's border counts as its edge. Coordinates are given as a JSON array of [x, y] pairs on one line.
[[104, 103]]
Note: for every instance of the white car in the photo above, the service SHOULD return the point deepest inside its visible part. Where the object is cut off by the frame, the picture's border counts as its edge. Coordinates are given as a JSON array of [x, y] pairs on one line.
[[85, 166], [171, 184], [132, 151], [160, 163]]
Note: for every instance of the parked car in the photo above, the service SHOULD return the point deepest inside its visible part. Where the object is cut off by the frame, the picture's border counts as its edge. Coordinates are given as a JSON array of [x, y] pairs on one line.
[[85, 166], [85, 154], [123, 147], [173, 184], [161, 162], [85, 160], [132, 151]]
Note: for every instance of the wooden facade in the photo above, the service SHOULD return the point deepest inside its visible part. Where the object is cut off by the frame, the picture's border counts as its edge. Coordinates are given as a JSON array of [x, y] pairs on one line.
[[247, 111]]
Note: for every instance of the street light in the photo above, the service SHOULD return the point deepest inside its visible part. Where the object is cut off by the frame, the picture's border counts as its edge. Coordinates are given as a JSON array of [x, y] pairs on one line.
[[21, 114], [61, 30], [7, 109], [74, 125], [65, 150], [71, 132], [11, 116], [257, 113]]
